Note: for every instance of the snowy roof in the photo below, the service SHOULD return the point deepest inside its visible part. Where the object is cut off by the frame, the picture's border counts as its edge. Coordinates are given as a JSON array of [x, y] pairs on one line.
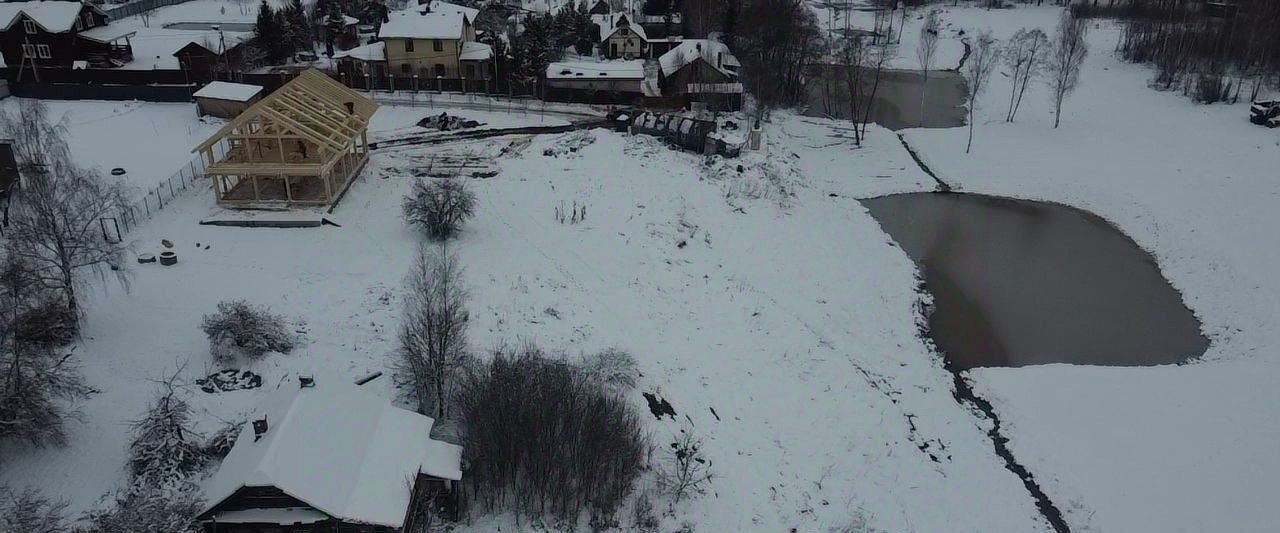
[[446, 7], [474, 51], [223, 90], [714, 52], [108, 33], [609, 24], [612, 70], [53, 15], [340, 449], [410, 24], [375, 51], [281, 515]]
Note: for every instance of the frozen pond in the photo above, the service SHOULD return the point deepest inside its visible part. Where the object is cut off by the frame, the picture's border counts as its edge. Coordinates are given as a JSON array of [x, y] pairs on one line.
[[897, 103], [1020, 282]]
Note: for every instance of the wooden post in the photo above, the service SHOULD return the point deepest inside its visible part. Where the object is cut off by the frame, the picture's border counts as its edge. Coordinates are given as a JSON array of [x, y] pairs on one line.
[[256, 198], [288, 193]]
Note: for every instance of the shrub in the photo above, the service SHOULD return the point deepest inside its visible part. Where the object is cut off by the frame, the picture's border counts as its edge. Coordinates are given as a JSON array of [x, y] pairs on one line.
[[686, 472], [242, 329], [30, 511], [612, 366], [146, 511], [439, 207], [546, 441], [48, 323]]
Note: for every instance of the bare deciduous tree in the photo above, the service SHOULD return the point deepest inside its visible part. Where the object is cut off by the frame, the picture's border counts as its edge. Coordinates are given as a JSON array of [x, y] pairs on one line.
[[688, 472], [164, 450], [1024, 54], [56, 225], [440, 207], [977, 71], [926, 48], [30, 511], [433, 334], [1069, 50], [35, 381]]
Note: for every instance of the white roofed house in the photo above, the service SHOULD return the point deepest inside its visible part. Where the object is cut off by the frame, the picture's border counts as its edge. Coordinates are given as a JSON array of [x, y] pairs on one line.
[[55, 33], [613, 82], [701, 70], [329, 457]]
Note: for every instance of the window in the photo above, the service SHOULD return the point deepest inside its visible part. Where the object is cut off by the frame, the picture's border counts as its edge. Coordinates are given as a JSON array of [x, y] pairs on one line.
[[437, 45], [404, 69], [29, 25], [28, 50], [42, 50], [87, 18], [408, 45], [439, 70]]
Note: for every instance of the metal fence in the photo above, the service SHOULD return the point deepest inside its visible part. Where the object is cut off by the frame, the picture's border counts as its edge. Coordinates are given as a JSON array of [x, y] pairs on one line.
[[155, 199], [140, 6]]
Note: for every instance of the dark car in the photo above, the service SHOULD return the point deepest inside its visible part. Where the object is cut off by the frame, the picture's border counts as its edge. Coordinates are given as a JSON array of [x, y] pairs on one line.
[[1265, 113]]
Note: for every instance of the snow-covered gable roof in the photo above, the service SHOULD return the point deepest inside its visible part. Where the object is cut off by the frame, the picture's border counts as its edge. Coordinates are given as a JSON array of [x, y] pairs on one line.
[[474, 51], [602, 70], [224, 90], [446, 7], [375, 51], [55, 16], [340, 449], [411, 24], [713, 52], [609, 24]]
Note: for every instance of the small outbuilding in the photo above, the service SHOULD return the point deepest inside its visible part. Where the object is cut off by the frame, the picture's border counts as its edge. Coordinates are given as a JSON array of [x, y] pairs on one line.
[[321, 457], [224, 99], [301, 145]]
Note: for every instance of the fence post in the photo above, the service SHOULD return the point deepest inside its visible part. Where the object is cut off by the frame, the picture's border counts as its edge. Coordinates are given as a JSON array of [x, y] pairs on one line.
[[170, 180], [147, 204]]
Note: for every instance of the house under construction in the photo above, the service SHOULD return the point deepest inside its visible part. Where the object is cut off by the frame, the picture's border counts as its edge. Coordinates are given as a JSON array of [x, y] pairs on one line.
[[302, 145]]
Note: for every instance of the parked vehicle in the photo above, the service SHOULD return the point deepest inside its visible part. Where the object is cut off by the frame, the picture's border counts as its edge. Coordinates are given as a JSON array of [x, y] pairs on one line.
[[1265, 113]]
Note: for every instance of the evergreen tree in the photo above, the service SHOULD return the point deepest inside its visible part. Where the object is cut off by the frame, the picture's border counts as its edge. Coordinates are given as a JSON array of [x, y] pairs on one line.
[[297, 27], [165, 452], [267, 32]]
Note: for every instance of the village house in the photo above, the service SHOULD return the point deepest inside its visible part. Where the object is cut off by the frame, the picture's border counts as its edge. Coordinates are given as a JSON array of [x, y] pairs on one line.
[[619, 39], [600, 7], [302, 145], [330, 457], [225, 99], [614, 82], [55, 33], [434, 40], [701, 70]]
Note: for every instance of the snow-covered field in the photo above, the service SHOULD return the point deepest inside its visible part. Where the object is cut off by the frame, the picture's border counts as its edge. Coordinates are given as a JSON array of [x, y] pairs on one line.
[[768, 295]]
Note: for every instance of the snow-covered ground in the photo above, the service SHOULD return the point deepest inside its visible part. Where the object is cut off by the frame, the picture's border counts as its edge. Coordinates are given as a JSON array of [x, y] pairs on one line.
[[771, 296]]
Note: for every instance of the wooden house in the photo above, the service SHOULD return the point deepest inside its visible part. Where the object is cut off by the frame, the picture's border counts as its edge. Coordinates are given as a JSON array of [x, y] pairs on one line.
[[225, 99], [701, 70], [55, 33], [302, 145], [619, 38], [320, 457]]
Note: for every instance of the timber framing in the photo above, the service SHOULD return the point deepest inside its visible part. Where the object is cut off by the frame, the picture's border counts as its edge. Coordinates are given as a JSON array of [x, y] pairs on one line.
[[299, 146]]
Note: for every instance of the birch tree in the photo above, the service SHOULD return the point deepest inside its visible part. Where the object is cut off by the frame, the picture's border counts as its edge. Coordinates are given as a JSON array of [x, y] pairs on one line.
[[1024, 55], [1069, 51], [433, 334], [57, 217], [977, 71], [926, 48]]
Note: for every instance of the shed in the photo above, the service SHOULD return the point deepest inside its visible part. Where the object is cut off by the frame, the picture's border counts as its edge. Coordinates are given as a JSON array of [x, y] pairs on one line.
[[225, 99], [329, 457], [302, 145]]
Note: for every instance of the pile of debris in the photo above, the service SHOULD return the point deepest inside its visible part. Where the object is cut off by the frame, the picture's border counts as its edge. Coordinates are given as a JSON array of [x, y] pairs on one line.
[[446, 122]]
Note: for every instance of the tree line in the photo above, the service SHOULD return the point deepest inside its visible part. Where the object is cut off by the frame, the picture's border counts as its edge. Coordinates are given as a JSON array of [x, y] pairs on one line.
[[1211, 53]]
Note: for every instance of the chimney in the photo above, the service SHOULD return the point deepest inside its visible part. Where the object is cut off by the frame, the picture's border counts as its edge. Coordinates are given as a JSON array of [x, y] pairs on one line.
[[306, 382], [259, 428], [351, 108]]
